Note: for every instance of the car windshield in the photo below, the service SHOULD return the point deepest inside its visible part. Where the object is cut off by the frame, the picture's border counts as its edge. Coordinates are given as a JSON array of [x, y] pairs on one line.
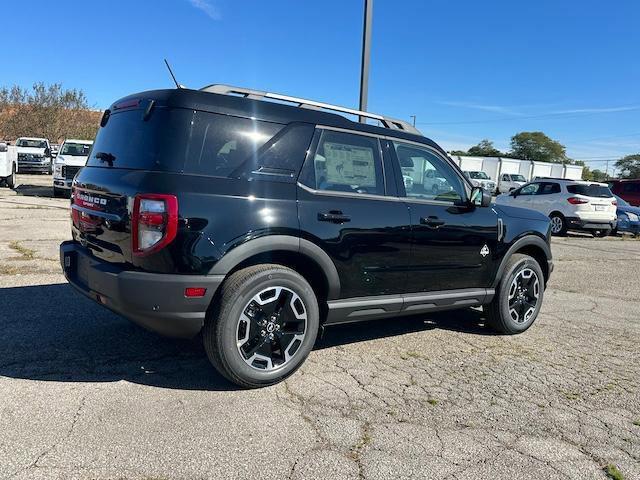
[[622, 202], [23, 142], [590, 190], [75, 149], [517, 178], [479, 175]]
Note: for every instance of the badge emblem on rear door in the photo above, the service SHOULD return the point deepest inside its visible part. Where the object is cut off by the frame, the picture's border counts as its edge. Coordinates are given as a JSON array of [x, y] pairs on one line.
[[485, 250]]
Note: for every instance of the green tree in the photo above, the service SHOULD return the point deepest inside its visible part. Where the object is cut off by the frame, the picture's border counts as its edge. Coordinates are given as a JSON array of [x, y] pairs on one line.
[[458, 152], [599, 176], [629, 166], [538, 147], [484, 149]]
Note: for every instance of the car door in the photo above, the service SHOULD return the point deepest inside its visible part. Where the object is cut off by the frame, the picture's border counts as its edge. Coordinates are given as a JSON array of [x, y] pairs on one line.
[[348, 208], [452, 242], [546, 198], [523, 196]]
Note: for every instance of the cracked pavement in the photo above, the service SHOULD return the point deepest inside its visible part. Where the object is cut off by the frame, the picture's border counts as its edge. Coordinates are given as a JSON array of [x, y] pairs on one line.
[[86, 394]]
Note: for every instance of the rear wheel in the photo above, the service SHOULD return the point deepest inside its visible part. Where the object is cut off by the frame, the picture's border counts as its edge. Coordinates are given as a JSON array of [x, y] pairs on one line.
[[11, 179], [601, 233], [263, 325], [558, 224], [519, 296]]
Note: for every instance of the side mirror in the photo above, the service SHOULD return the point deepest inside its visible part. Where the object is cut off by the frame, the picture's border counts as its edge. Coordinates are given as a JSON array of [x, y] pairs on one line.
[[47, 152], [480, 197], [513, 193]]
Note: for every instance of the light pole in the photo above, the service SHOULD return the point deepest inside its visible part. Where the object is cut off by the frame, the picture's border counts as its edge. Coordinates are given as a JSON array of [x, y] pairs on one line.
[[366, 52]]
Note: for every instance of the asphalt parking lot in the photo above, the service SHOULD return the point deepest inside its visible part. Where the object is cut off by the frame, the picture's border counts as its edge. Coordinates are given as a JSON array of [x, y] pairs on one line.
[[86, 394]]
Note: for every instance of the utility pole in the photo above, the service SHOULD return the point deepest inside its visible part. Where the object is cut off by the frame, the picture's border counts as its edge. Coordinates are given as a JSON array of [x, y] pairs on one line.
[[414, 119], [366, 53]]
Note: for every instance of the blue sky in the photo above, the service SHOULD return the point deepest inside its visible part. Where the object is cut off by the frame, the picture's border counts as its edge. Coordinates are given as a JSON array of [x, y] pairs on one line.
[[468, 69]]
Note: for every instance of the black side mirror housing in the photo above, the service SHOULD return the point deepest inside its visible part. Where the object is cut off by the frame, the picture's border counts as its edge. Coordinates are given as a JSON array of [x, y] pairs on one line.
[[47, 152], [480, 197]]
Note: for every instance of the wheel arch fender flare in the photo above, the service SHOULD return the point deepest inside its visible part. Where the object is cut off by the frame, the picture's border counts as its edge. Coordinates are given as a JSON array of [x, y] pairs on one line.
[[530, 240], [270, 243]]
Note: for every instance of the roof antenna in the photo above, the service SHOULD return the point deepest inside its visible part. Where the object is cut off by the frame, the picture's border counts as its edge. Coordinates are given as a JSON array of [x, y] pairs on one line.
[[172, 75]]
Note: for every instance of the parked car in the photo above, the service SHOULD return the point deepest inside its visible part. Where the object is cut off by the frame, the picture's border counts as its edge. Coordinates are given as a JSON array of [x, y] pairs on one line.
[[434, 182], [258, 223], [510, 181], [570, 204], [8, 165], [71, 158], [629, 190], [34, 155], [54, 150], [628, 217], [480, 179]]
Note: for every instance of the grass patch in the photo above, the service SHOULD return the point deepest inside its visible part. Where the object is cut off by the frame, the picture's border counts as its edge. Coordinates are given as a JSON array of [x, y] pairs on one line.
[[9, 270], [27, 253], [612, 472], [411, 354], [432, 401], [637, 423]]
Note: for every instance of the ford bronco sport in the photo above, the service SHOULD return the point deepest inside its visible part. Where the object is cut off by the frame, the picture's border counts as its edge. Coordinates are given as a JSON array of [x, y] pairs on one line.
[[256, 219]]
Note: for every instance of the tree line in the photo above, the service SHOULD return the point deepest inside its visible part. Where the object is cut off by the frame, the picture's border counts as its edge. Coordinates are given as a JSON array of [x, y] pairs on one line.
[[539, 147], [48, 111]]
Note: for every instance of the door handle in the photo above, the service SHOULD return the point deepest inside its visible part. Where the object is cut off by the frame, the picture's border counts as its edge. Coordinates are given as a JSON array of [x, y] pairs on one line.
[[431, 221], [334, 216]]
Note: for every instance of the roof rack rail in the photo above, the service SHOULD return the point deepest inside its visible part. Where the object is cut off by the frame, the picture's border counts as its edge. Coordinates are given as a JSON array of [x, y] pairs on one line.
[[387, 122]]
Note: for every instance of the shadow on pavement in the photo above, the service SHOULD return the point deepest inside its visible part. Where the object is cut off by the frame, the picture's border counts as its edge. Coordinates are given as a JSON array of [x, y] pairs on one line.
[[51, 333], [28, 190]]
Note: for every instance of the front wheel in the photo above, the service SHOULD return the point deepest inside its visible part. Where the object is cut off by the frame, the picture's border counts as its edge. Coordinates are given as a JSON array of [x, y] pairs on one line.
[[11, 179], [263, 325], [518, 298]]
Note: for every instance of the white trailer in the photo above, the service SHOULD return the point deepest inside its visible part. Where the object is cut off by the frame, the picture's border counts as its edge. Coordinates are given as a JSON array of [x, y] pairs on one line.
[[510, 165], [557, 170], [471, 163], [573, 172], [541, 169]]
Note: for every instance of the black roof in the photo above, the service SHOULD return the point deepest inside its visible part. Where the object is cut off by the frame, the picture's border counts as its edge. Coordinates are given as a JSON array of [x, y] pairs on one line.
[[264, 110]]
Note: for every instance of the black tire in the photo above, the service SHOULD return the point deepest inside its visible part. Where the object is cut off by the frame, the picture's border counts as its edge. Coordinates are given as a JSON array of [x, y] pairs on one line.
[[222, 326], [601, 233], [59, 192], [498, 312], [558, 224], [11, 179]]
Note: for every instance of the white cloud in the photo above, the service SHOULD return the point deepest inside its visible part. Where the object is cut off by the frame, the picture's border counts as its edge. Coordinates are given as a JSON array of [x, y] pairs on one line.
[[598, 110], [485, 108], [205, 6]]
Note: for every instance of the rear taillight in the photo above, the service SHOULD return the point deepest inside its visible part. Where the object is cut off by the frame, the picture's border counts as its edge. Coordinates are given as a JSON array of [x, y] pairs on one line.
[[154, 222], [576, 200]]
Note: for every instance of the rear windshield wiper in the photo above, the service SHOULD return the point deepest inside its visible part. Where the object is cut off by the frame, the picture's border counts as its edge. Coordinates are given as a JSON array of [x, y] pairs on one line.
[[106, 157]]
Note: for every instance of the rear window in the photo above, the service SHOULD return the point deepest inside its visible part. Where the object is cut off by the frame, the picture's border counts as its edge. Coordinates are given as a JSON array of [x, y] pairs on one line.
[[591, 190], [203, 143]]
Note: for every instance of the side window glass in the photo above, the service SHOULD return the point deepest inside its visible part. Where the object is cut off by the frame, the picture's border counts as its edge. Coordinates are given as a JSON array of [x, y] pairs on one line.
[[430, 176], [346, 162], [505, 178], [530, 189]]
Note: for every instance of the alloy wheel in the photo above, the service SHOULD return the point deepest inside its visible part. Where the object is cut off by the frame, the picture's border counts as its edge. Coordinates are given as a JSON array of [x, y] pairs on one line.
[[271, 328], [524, 293], [556, 224]]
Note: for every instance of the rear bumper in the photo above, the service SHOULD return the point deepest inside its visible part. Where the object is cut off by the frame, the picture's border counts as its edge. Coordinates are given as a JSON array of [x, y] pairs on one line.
[[575, 223], [152, 300]]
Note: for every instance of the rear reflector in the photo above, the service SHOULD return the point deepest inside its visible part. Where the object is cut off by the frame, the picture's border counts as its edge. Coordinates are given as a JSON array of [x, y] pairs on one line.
[[191, 292], [576, 200]]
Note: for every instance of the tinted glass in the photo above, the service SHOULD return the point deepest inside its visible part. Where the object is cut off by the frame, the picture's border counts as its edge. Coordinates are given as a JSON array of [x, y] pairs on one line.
[[590, 190], [75, 149], [31, 143], [180, 140], [630, 187], [345, 162], [432, 177], [548, 188], [530, 189]]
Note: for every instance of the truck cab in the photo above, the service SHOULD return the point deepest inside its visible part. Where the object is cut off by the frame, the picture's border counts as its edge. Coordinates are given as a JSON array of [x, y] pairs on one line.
[[34, 155], [71, 157]]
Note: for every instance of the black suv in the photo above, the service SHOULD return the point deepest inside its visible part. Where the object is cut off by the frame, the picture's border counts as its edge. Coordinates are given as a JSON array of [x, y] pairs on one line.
[[256, 219]]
